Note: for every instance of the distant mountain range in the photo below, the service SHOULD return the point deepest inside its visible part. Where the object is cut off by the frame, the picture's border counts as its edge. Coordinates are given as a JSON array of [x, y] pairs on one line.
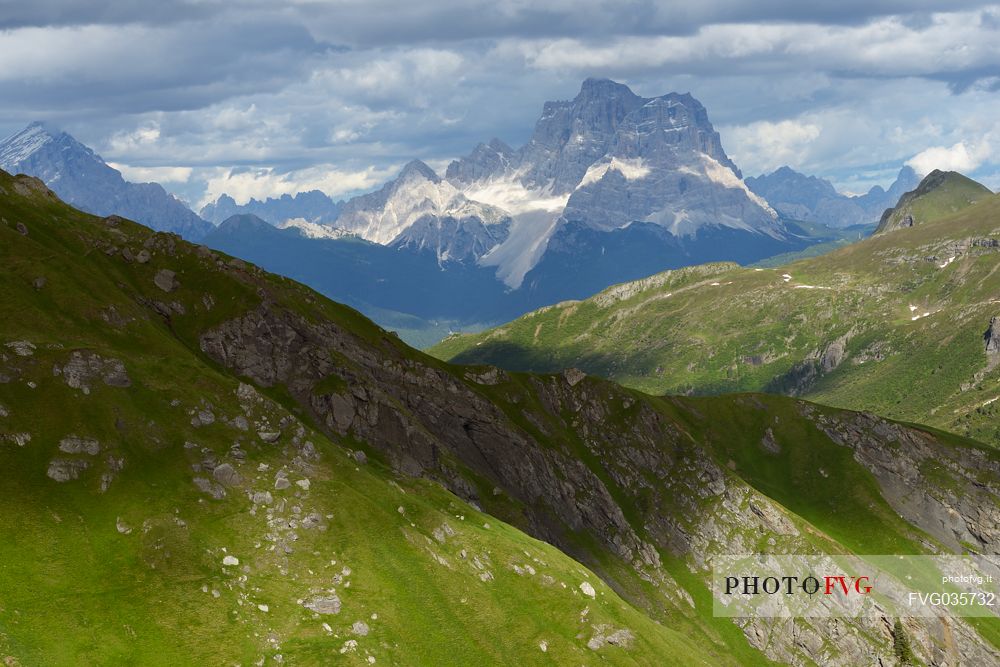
[[80, 177], [313, 207], [611, 187], [812, 199]]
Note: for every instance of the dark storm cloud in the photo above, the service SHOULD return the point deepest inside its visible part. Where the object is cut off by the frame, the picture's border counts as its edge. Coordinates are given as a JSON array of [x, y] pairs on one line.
[[37, 13], [138, 68], [390, 22], [387, 22]]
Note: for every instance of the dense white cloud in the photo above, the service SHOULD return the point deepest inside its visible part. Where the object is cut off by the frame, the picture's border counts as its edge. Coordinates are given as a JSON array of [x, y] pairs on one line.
[[407, 77], [765, 146], [242, 185], [139, 138], [162, 175], [957, 157]]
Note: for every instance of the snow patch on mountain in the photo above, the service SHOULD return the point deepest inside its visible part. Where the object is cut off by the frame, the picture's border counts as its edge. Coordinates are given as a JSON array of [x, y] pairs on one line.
[[509, 194], [418, 192], [535, 216], [631, 168], [725, 177], [529, 237], [313, 230], [19, 147]]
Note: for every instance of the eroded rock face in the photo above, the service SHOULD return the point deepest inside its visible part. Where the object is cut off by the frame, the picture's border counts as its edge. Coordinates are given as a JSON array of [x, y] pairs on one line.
[[226, 475], [444, 422], [211, 488], [992, 337], [22, 348], [963, 511], [73, 444]]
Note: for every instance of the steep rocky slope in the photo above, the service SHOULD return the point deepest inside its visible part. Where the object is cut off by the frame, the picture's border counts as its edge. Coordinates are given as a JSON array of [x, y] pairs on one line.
[[892, 324], [213, 464]]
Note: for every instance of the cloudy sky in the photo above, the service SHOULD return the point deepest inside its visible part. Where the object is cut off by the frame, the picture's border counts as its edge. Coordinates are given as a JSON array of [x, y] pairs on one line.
[[258, 97]]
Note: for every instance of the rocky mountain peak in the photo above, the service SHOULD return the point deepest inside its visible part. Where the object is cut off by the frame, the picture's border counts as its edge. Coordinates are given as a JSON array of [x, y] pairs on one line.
[[786, 186], [82, 178], [797, 196], [665, 126], [484, 161], [906, 180], [601, 89], [500, 147], [418, 169], [420, 209], [571, 136], [21, 146]]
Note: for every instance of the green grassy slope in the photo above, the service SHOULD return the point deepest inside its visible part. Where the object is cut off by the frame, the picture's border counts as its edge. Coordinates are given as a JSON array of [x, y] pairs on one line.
[[135, 574], [892, 324], [951, 193]]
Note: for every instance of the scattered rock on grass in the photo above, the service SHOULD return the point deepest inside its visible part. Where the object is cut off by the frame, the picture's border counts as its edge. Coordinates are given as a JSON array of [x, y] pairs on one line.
[[226, 475], [73, 444], [166, 280], [324, 604], [65, 470]]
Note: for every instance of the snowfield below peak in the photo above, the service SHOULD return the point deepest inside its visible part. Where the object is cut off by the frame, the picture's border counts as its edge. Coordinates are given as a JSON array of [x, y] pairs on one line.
[[314, 230], [632, 169], [535, 216]]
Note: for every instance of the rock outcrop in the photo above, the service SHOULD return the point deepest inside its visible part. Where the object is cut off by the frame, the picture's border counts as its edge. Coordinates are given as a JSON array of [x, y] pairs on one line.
[[85, 367], [992, 337]]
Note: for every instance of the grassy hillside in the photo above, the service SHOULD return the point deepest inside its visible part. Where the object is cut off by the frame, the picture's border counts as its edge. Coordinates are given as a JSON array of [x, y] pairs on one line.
[[209, 464], [940, 194], [892, 324], [126, 564]]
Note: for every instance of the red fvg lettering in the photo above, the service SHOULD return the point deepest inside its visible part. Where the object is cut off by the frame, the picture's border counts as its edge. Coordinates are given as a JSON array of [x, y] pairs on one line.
[[856, 584]]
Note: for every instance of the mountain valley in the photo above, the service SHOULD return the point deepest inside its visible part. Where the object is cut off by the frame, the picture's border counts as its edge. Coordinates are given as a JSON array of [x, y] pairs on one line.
[[893, 324]]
